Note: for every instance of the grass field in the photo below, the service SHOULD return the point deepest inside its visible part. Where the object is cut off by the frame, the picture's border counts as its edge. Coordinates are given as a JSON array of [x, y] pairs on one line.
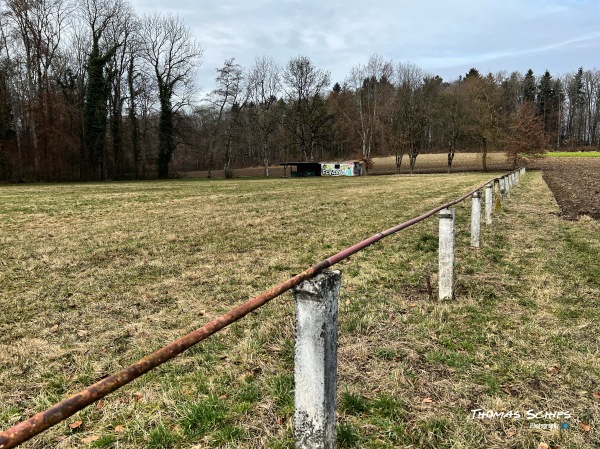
[[94, 276], [573, 154]]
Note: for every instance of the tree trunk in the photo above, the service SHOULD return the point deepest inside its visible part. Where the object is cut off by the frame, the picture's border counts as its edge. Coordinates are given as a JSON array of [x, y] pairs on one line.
[[484, 151], [116, 127], [450, 159], [135, 140], [227, 164], [166, 143], [399, 156], [265, 159], [210, 164]]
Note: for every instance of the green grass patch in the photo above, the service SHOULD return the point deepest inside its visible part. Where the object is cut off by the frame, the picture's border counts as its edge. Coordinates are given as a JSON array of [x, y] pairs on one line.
[[573, 154]]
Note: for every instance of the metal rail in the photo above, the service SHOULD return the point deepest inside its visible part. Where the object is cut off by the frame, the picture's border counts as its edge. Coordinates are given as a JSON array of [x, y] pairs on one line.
[[59, 412]]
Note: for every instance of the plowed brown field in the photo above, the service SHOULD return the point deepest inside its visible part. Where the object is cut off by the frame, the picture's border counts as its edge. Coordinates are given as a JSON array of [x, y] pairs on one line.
[[575, 183]]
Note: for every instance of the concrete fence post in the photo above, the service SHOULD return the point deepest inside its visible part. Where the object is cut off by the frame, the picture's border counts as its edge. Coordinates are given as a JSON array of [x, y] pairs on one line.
[[446, 254], [507, 185], [502, 184], [315, 361], [489, 194], [475, 219], [498, 195]]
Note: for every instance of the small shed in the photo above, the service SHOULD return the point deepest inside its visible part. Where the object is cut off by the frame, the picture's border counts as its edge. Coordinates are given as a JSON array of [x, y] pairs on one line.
[[346, 168], [302, 169]]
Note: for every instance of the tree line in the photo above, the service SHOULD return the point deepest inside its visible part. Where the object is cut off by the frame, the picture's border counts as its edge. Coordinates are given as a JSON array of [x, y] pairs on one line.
[[90, 90]]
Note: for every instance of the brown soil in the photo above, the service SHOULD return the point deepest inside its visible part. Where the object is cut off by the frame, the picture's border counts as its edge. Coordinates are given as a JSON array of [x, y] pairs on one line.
[[575, 182]]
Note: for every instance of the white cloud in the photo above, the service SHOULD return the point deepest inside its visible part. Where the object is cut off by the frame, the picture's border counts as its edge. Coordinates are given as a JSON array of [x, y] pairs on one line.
[[442, 37]]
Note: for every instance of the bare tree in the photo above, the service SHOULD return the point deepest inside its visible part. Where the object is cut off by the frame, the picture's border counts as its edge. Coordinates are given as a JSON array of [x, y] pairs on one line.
[[99, 15], [591, 88], [371, 84], [526, 139], [226, 103], [40, 26], [483, 112], [264, 85], [172, 55], [124, 31], [304, 86], [451, 112], [409, 91]]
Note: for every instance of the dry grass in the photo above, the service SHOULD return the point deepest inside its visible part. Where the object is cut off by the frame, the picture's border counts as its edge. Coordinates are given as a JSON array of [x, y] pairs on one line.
[[92, 277]]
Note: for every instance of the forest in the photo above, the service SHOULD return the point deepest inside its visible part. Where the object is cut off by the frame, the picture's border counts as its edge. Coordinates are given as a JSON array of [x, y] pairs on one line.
[[92, 91]]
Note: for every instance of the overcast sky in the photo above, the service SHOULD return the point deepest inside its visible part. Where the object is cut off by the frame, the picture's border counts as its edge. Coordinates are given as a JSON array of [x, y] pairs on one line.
[[445, 38]]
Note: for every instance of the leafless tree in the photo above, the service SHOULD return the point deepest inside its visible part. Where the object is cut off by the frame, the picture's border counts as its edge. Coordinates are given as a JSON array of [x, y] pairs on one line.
[[172, 55], [264, 85], [409, 80], [304, 85], [100, 16], [40, 26], [228, 100], [124, 31], [371, 85]]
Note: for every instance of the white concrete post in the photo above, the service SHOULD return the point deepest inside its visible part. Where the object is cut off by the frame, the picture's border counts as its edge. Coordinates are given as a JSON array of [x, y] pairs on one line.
[[446, 254], [507, 185], [502, 183], [315, 361], [475, 219], [498, 194], [489, 194]]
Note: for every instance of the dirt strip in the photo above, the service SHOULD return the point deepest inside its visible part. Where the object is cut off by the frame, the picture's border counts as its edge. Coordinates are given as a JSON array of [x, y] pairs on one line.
[[575, 182]]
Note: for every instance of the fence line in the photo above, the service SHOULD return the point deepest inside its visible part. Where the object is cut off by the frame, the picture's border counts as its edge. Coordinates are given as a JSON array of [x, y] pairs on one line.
[[38, 423]]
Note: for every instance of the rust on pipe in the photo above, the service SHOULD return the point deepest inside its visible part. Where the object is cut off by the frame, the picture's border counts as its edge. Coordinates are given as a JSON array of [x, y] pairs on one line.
[[59, 412], [67, 407]]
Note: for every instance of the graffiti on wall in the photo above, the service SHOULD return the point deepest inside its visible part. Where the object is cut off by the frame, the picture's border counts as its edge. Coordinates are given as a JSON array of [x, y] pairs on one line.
[[339, 169]]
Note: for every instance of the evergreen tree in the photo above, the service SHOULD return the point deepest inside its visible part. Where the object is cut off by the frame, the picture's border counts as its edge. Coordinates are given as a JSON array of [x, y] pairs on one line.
[[473, 74], [529, 87], [576, 119], [547, 104]]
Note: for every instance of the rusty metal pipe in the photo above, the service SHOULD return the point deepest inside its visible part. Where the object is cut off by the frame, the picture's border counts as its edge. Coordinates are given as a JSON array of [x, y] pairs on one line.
[[68, 407]]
